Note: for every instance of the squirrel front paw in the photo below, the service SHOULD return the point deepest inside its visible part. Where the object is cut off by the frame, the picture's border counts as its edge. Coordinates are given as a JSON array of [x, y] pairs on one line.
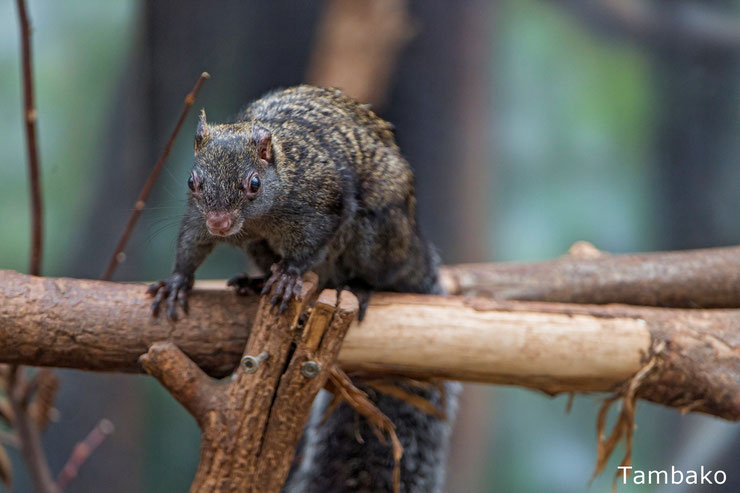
[[175, 290], [287, 282], [245, 285]]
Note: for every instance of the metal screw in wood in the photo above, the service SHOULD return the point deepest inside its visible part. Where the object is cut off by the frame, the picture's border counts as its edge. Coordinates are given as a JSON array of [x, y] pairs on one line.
[[252, 363], [310, 369]]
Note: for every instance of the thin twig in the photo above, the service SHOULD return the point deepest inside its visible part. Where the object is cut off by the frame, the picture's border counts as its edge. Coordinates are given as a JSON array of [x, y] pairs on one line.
[[82, 451], [118, 253], [33, 154], [28, 435], [41, 409], [415, 400]]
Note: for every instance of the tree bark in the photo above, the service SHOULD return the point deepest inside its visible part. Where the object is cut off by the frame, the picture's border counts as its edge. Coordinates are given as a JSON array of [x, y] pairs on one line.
[[708, 278], [251, 425], [553, 347]]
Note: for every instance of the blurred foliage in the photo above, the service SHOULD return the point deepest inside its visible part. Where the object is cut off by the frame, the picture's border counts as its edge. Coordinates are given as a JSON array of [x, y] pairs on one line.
[[573, 131], [78, 48]]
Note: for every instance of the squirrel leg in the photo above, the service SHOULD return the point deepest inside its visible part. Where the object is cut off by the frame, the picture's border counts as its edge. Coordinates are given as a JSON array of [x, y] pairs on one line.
[[245, 285], [263, 257], [362, 292], [286, 279], [174, 290]]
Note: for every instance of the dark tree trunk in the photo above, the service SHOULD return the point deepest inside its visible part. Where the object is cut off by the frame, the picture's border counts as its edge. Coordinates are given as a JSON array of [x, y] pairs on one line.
[[441, 111], [697, 122], [697, 91]]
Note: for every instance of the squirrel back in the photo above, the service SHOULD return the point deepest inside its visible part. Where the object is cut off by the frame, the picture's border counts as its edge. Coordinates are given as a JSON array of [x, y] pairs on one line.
[[339, 160]]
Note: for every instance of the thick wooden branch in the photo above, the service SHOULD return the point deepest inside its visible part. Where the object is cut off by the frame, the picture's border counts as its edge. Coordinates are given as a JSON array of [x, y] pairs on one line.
[[708, 278], [306, 374], [101, 326], [233, 432], [105, 326], [251, 424], [187, 383]]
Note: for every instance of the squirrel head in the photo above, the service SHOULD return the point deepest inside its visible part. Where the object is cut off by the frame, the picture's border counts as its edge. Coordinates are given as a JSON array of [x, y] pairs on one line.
[[233, 178]]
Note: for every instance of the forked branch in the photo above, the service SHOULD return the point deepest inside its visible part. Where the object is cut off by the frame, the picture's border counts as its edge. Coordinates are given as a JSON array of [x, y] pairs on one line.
[[251, 425]]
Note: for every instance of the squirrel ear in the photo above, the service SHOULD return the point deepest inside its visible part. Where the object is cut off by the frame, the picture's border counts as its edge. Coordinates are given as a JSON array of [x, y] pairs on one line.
[[201, 131], [262, 138]]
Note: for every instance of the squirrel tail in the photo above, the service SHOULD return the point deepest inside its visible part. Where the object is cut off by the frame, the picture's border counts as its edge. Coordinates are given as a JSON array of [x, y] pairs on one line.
[[334, 460], [343, 454]]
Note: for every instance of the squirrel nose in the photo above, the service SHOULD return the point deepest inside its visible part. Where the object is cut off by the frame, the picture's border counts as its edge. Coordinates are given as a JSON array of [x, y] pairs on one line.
[[218, 223]]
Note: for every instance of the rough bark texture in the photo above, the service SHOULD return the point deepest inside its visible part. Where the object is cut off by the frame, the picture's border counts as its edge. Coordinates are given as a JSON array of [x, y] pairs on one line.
[[252, 424], [320, 343], [103, 326], [708, 278]]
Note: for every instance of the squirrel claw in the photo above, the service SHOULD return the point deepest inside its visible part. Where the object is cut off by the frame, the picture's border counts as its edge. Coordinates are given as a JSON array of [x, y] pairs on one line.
[[154, 287], [268, 285], [182, 299], [245, 285], [287, 285], [172, 292]]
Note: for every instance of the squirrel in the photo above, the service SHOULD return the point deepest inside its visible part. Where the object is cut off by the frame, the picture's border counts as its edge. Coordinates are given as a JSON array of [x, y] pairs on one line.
[[305, 178]]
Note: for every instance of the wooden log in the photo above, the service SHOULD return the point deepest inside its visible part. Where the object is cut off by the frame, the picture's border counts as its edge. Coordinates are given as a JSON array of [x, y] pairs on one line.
[[708, 278], [553, 347]]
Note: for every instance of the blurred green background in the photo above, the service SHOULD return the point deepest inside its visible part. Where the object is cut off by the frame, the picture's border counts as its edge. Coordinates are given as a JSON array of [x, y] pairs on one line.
[[530, 125]]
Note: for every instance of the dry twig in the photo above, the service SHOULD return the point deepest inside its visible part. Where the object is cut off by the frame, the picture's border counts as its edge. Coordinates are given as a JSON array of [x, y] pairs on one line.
[[386, 387], [82, 451], [625, 425], [6, 468], [30, 116], [344, 390], [119, 254], [41, 408], [27, 432]]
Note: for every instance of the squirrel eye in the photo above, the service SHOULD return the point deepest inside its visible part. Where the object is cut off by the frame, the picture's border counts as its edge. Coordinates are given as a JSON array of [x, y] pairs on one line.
[[194, 182], [251, 185], [254, 184]]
